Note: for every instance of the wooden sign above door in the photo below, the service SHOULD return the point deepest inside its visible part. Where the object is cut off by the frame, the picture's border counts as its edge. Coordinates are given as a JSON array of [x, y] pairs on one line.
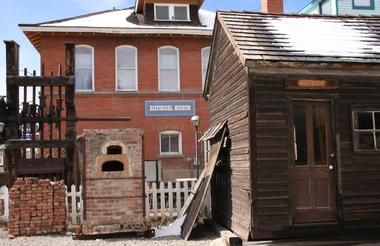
[[316, 84]]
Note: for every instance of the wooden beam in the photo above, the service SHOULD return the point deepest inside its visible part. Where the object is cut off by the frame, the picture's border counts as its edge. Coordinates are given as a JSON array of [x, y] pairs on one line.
[[12, 59], [226, 235], [70, 59], [39, 81]]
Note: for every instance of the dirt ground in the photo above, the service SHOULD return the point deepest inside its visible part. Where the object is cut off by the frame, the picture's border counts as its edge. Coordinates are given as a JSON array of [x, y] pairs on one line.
[[202, 237]]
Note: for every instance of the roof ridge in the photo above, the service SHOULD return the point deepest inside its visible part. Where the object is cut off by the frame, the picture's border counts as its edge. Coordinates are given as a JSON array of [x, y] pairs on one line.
[[81, 16], [301, 15]]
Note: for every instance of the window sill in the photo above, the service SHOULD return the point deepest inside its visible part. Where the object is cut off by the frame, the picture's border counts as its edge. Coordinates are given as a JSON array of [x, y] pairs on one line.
[[84, 92], [126, 92], [170, 156], [169, 92], [171, 20]]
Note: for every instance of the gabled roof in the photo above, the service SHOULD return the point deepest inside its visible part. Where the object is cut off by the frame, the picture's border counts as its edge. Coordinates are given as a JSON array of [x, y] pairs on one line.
[[287, 40], [303, 38], [117, 21]]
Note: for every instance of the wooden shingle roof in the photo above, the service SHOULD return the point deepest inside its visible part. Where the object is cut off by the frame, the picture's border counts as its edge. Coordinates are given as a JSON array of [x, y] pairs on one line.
[[303, 38]]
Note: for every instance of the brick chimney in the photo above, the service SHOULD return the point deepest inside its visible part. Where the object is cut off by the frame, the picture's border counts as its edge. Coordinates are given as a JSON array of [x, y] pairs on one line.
[[272, 6]]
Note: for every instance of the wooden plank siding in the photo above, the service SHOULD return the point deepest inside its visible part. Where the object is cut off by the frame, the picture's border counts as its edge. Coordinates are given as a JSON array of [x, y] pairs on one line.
[[231, 189], [357, 175], [271, 163], [360, 171]]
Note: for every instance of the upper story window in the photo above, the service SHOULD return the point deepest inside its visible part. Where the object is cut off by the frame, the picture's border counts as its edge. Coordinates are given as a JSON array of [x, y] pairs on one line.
[[171, 12], [126, 68], [170, 143], [363, 4], [325, 7], [84, 68], [366, 130], [205, 58], [168, 60]]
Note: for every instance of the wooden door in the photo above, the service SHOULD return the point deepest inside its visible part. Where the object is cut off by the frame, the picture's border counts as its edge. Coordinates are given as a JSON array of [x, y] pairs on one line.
[[314, 192]]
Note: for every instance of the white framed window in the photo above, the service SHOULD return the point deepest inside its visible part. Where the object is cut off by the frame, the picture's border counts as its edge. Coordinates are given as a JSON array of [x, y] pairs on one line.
[[126, 68], [205, 58], [84, 68], [171, 12], [366, 130], [168, 69], [170, 143]]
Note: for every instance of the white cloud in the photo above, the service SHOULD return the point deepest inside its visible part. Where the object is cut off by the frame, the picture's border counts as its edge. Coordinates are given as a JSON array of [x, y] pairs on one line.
[[96, 5]]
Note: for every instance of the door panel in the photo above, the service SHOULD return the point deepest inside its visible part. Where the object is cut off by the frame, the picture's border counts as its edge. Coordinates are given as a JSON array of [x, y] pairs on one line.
[[314, 196]]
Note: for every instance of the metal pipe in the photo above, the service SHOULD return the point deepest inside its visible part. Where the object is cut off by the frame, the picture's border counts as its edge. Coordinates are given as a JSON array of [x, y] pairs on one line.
[[196, 151]]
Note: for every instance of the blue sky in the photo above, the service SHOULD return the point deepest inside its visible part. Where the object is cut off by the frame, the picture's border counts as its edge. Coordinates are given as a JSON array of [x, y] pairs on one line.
[[14, 12]]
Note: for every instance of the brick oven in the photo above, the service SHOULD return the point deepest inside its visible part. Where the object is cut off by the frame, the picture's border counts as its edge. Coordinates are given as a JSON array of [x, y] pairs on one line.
[[113, 181]]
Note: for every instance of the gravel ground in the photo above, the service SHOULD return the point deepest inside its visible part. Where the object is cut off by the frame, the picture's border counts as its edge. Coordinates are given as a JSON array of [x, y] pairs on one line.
[[203, 237]]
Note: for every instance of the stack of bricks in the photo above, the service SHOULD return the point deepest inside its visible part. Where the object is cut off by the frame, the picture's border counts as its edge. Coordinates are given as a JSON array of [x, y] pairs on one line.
[[37, 207]]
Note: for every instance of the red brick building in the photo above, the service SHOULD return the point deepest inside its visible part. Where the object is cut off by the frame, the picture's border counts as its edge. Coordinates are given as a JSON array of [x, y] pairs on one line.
[[146, 63]]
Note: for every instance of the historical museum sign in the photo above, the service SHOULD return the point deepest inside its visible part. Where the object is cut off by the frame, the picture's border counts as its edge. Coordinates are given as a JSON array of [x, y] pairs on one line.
[[170, 108]]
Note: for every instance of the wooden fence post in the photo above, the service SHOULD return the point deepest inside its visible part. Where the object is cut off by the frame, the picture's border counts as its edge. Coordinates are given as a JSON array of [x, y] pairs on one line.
[[70, 115], [11, 132]]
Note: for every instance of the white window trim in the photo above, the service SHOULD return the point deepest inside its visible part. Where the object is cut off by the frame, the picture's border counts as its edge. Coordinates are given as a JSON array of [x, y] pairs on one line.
[[204, 75], [373, 131], [93, 68], [179, 143], [178, 67], [171, 11], [136, 68]]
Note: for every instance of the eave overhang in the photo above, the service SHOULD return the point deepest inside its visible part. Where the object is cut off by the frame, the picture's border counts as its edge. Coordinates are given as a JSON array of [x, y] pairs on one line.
[[34, 32]]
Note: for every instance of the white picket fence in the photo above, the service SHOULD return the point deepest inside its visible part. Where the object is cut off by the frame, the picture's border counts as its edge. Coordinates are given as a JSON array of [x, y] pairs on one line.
[[74, 204], [4, 195], [162, 199], [167, 198]]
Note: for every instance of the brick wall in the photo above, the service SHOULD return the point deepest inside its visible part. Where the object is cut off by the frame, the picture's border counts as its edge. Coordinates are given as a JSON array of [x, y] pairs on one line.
[[37, 207], [114, 200], [108, 103]]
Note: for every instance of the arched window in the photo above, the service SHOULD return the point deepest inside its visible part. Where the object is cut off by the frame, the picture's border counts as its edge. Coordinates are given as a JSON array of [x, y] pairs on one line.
[[205, 58], [168, 60], [170, 143], [84, 68], [126, 68]]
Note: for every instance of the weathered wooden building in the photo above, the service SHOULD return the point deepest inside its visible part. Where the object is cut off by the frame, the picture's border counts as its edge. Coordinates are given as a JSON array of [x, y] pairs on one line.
[[301, 96]]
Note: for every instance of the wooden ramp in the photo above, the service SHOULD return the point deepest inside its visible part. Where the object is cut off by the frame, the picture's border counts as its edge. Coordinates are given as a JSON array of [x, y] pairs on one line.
[[193, 205]]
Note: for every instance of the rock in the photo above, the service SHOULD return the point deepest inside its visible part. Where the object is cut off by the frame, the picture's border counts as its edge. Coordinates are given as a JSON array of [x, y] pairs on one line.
[[10, 237]]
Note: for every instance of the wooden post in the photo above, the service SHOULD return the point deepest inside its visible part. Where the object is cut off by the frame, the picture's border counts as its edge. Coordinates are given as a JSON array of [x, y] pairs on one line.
[[12, 59], [70, 115], [70, 59]]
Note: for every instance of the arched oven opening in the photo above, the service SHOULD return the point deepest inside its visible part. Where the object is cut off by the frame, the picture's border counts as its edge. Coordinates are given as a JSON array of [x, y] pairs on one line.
[[112, 166], [114, 150]]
